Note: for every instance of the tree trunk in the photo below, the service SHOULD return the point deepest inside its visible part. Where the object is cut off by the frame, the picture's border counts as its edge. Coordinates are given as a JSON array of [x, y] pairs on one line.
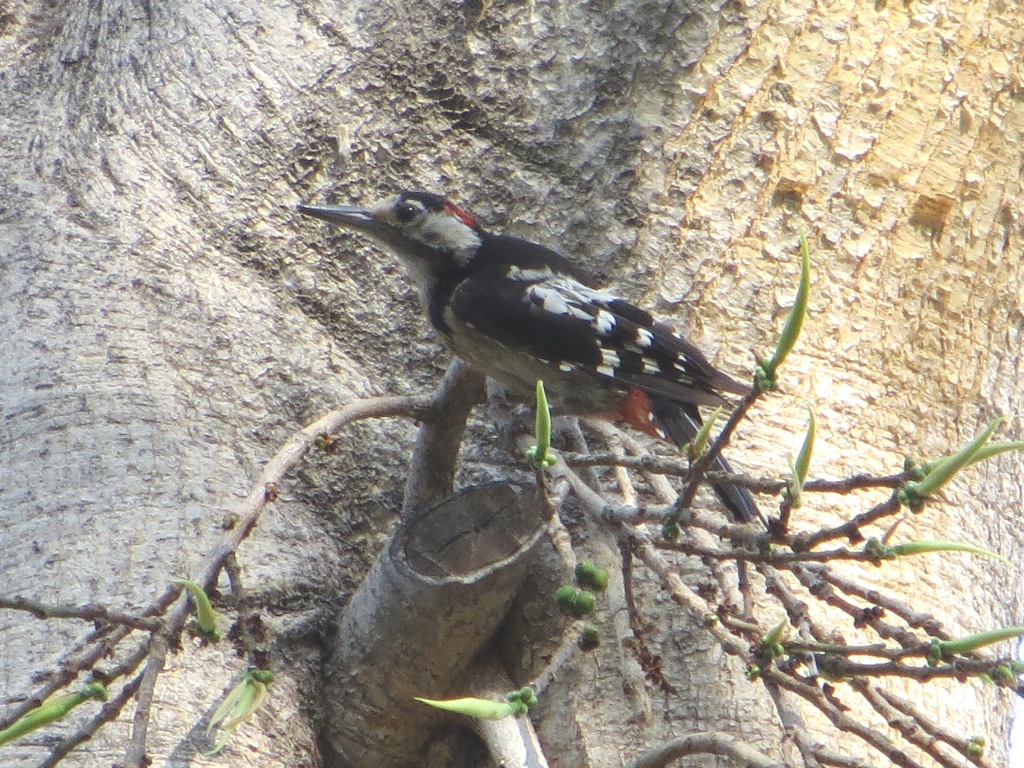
[[168, 320]]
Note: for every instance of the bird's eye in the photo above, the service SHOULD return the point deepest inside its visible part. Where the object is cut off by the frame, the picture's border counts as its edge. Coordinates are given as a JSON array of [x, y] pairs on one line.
[[406, 212]]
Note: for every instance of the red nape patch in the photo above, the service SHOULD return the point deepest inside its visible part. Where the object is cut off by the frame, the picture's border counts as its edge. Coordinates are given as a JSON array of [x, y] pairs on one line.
[[453, 210], [636, 410]]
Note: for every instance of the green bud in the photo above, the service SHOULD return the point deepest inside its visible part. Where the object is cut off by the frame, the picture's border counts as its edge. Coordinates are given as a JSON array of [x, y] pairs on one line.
[[877, 549], [976, 748], [526, 695], [802, 464], [926, 545], [264, 676], [51, 711], [239, 705], [590, 576], [482, 709], [590, 637], [576, 602], [671, 532], [539, 455], [941, 650], [206, 617], [1003, 675], [765, 378], [942, 471]]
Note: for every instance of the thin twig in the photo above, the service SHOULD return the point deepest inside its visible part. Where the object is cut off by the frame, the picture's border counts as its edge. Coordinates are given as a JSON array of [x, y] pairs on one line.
[[915, 619], [700, 467], [851, 529], [907, 727], [707, 743], [925, 723], [665, 465], [815, 578], [871, 736], [88, 612], [107, 714], [101, 644], [135, 755], [568, 648], [793, 724], [772, 557]]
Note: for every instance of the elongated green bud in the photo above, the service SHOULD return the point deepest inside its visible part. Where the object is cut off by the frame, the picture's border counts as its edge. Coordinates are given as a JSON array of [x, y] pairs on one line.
[[927, 545], [206, 617], [239, 697], [539, 455], [941, 650], [51, 711], [239, 705], [771, 644], [482, 709], [767, 370], [943, 470], [803, 463], [994, 449], [703, 436]]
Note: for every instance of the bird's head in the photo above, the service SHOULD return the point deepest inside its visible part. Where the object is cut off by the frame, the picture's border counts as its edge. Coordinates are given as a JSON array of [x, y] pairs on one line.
[[429, 232]]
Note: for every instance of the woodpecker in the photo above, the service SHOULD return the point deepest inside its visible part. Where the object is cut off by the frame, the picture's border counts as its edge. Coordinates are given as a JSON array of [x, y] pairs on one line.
[[518, 312]]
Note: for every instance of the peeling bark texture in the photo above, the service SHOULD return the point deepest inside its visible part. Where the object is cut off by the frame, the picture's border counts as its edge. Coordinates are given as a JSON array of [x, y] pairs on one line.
[[167, 320]]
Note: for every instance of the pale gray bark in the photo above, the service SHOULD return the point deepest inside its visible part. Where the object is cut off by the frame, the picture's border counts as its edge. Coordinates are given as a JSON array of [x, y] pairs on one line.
[[166, 321], [424, 612]]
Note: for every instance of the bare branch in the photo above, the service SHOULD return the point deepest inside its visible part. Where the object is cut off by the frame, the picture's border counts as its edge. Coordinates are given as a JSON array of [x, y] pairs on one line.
[[432, 465], [88, 612], [108, 713], [135, 755], [708, 743], [673, 467]]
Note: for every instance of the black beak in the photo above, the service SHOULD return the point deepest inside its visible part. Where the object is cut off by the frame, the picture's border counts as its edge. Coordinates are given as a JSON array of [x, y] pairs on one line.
[[350, 216], [366, 221]]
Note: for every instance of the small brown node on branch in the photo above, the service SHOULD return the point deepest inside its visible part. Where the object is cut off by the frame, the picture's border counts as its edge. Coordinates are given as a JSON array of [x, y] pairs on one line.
[[327, 443], [868, 615]]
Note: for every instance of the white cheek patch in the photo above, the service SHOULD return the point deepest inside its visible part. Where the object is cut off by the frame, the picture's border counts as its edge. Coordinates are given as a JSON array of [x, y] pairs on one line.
[[443, 231]]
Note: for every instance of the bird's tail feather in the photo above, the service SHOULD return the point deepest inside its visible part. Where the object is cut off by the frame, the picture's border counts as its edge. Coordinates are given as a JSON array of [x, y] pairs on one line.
[[680, 424]]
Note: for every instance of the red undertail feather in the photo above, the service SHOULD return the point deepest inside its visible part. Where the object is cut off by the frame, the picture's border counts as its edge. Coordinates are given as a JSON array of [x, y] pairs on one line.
[[636, 410]]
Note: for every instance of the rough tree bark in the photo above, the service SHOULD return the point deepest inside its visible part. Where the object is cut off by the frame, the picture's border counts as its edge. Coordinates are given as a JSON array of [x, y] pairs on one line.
[[166, 321]]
